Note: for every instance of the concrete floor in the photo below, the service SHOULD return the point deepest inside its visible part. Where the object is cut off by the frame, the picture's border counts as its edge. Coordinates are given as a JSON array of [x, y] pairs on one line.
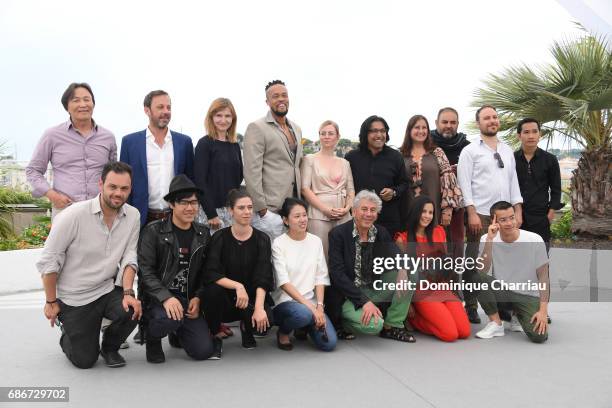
[[573, 369]]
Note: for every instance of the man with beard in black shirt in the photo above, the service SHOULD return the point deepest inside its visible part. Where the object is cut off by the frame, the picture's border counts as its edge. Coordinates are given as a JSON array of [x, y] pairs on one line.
[[446, 137]]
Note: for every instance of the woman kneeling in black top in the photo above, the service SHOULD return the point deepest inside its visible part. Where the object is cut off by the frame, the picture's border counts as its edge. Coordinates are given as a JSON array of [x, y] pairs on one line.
[[238, 273]]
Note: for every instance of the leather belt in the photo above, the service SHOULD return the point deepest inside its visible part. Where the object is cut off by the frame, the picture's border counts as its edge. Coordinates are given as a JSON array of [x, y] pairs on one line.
[[153, 215]]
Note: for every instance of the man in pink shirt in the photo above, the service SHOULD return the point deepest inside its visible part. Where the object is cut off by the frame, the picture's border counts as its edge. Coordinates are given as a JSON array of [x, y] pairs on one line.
[[77, 150]]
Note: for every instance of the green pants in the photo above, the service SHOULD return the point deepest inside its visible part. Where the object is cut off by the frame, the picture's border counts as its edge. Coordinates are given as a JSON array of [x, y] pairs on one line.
[[524, 306], [396, 312]]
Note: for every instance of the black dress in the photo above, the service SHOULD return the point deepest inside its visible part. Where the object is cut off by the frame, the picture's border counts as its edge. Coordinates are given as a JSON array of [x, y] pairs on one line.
[[248, 262], [217, 169]]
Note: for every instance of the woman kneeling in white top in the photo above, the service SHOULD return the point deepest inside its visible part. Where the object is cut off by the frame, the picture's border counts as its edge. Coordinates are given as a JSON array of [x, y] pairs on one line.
[[301, 275]]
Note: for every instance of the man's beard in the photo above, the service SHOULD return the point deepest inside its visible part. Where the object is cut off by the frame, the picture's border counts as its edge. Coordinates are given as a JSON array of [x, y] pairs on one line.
[[109, 203], [489, 133], [280, 114], [161, 125], [449, 135]]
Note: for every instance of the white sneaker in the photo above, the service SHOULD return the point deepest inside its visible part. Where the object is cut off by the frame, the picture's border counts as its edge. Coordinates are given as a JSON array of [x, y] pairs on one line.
[[491, 330], [515, 326]]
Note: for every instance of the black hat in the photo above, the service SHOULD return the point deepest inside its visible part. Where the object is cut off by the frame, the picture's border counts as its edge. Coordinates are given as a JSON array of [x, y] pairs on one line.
[[181, 184]]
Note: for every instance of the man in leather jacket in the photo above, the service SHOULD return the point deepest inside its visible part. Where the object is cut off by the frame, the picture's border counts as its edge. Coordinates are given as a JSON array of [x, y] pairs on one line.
[[171, 256]]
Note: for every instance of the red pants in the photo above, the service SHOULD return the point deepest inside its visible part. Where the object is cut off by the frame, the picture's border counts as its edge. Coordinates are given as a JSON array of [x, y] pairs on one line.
[[445, 320]]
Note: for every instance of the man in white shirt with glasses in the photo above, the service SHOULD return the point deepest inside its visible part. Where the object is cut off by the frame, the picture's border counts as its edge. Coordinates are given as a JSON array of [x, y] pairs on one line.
[[487, 174]]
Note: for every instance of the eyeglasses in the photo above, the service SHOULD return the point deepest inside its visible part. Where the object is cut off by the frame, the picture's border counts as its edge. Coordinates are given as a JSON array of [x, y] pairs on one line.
[[324, 133], [186, 203], [500, 162], [379, 131]]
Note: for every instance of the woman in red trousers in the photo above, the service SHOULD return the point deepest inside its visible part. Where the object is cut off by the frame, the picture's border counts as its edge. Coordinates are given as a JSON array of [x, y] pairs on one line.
[[433, 311]]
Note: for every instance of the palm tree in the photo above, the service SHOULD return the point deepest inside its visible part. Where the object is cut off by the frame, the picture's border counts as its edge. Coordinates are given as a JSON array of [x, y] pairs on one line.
[[572, 98]]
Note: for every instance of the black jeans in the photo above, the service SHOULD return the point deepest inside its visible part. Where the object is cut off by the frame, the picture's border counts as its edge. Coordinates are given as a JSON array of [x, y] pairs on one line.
[[192, 333], [471, 251], [333, 306], [539, 225], [219, 305], [80, 339]]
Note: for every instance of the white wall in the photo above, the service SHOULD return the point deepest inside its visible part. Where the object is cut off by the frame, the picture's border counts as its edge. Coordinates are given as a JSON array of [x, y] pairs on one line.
[[18, 270]]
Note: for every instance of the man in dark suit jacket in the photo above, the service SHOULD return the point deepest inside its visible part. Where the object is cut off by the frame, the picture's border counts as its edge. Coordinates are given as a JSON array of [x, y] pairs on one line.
[[156, 155], [355, 298]]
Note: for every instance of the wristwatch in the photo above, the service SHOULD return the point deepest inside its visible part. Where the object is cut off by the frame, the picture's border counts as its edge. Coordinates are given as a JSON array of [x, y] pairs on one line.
[[129, 292], [394, 193]]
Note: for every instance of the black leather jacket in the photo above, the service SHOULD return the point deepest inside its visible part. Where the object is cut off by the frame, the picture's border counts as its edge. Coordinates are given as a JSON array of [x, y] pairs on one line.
[[158, 260]]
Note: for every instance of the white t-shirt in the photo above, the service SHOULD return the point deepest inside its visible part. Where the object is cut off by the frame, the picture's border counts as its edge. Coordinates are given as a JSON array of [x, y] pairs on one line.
[[517, 262], [300, 262]]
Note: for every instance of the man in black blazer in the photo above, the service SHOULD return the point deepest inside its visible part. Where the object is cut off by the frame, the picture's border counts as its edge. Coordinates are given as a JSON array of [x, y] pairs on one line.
[[355, 300]]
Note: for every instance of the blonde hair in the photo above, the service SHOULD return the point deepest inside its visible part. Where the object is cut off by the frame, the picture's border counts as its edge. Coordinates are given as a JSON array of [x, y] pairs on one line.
[[216, 106], [330, 122]]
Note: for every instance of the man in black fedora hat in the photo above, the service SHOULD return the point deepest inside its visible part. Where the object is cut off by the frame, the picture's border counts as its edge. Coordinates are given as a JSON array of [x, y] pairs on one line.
[[171, 255]]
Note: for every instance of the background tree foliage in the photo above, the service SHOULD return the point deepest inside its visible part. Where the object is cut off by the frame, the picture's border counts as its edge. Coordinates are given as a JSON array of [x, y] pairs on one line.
[[572, 98]]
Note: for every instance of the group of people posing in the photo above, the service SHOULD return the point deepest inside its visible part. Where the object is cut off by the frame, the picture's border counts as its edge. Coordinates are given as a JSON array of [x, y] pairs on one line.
[[295, 246]]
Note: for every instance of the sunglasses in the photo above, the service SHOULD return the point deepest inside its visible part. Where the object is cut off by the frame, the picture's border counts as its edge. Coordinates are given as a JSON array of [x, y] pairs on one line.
[[500, 162]]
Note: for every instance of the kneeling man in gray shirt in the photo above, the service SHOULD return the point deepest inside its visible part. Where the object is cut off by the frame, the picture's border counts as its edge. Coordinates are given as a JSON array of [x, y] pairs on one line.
[[91, 245]]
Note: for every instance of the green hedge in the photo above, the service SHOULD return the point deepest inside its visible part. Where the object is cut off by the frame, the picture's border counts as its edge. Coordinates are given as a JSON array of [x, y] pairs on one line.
[[11, 196], [562, 228]]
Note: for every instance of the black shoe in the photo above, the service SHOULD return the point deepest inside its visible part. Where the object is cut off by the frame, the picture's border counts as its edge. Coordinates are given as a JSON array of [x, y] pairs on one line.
[[155, 352], [261, 334], [140, 337], [300, 334], [248, 341], [174, 340], [345, 335], [217, 349], [283, 346], [112, 358], [473, 315]]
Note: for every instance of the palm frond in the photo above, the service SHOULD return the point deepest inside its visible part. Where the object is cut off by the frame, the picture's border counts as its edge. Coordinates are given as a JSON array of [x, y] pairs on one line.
[[572, 97]]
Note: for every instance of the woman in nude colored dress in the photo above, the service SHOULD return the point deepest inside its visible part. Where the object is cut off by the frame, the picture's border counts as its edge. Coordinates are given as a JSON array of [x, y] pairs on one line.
[[327, 185]]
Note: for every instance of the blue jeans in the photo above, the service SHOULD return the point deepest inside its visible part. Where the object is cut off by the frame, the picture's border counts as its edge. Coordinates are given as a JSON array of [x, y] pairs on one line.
[[292, 315]]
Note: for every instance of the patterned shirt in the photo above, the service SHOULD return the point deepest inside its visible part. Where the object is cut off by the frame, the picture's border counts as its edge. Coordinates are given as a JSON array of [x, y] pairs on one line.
[[363, 256]]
